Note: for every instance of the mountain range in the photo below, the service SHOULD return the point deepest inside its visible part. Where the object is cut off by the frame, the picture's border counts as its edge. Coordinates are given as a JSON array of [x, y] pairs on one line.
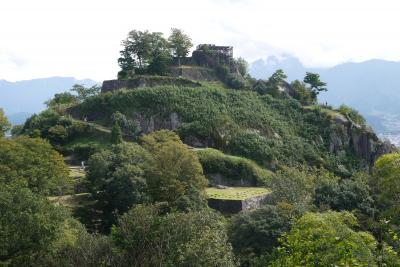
[[372, 87], [21, 99]]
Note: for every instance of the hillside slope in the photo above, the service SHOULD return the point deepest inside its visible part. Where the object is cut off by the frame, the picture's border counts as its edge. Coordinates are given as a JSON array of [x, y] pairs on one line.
[[267, 130], [371, 87]]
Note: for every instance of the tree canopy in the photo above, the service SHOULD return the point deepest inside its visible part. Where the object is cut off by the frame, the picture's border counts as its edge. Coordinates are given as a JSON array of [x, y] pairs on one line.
[[34, 164], [324, 239], [4, 123], [180, 43]]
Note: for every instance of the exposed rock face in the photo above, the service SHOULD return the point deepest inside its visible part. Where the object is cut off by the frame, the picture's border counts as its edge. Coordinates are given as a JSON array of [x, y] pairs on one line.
[[360, 140], [153, 123]]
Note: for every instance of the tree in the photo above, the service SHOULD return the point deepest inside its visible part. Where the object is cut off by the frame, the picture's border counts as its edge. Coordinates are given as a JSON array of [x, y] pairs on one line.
[[129, 127], [85, 92], [292, 186], [117, 180], [175, 175], [29, 224], [4, 123], [138, 46], [62, 101], [349, 194], [160, 55], [326, 239], [255, 233], [278, 77], [127, 64], [272, 85], [180, 44], [242, 66], [302, 93], [316, 85], [386, 186], [147, 236], [33, 163], [116, 134]]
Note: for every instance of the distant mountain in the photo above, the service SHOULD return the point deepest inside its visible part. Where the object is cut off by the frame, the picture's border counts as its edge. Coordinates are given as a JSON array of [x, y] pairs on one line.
[[22, 98], [372, 87]]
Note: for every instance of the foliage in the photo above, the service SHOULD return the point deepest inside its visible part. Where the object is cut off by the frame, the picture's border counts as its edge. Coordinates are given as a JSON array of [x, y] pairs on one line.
[[180, 43], [302, 93], [89, 250], [175, 172], [28, 226], [293, 186], [4, 123], [242, 66], [252, 145], [353, 114], [255, 233], [144, 52], [117, 180], [386, 186], [232, 167], [60, 102], [84, 93], [316, 85], [34, 164], [16, 130], [173, 239], [286, 133], [326, 239], [348, 194], [128, 127], [116, 134]]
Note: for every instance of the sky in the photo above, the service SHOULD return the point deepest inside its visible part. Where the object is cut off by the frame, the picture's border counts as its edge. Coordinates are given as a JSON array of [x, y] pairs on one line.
[[81, 38]]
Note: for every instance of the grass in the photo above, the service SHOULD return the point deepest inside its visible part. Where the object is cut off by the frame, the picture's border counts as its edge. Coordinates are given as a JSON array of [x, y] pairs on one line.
[[329, 112], [76, 172], [235, 193], [73, 201], [83, 140]]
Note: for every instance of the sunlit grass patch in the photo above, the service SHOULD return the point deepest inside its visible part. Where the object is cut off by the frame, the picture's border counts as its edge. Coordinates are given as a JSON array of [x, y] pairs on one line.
[[235, 193]]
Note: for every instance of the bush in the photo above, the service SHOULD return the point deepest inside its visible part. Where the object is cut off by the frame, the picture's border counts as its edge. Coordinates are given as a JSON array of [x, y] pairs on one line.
[[233, 168], [351, 113]]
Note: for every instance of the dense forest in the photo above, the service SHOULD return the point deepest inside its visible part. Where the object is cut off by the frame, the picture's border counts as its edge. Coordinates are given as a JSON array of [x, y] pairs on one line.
[[190, 161]]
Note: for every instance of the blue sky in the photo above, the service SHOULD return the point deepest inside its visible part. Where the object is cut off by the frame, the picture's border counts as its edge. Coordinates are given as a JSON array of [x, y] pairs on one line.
[[44, 38]]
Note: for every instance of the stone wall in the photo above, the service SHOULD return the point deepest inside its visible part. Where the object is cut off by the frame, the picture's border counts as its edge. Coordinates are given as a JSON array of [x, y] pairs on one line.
[[236, 206], [146, 81], [194, 73]]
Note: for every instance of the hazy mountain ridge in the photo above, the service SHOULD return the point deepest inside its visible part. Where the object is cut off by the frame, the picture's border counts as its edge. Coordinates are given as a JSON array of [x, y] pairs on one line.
[[372, 87], [21, 98]]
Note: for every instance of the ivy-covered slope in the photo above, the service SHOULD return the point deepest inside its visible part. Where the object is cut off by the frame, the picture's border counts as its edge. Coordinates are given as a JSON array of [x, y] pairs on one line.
[[270, 131]]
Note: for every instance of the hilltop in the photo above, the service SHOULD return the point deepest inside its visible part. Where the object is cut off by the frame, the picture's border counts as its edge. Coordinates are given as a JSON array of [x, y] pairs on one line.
[[213, 166]]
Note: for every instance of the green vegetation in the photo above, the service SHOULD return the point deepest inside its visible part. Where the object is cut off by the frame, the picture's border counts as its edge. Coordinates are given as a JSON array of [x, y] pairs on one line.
[[32, 163], [180, 44], [139, 195], [329, 238], [238, 122], [316, 85], [235, 193], [234, 168], [4, 123]]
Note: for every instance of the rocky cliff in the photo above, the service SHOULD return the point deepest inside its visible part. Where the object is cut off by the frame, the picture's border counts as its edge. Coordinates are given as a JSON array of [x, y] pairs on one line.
[[359, 139]]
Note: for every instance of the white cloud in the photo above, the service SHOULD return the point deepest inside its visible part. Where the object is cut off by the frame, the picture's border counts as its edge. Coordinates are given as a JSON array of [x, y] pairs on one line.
[[81, 38]]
